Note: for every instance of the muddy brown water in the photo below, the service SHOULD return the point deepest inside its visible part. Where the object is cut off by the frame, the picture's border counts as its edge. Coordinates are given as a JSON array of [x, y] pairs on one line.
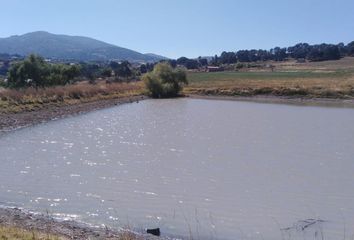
[[203, 168]]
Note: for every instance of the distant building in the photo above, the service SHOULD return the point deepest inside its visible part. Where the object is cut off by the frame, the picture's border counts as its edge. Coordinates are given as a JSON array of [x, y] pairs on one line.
[[214, 69]]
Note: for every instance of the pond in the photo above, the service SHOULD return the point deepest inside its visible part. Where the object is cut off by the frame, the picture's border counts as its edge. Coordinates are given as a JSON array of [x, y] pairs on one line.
[[209, 169]]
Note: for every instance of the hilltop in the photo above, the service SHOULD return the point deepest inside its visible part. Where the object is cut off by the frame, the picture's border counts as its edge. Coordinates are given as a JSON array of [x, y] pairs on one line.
[[65, 47]]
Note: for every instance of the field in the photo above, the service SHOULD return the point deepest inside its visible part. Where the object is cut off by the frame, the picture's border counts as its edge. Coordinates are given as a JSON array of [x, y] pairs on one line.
[[331, 79]]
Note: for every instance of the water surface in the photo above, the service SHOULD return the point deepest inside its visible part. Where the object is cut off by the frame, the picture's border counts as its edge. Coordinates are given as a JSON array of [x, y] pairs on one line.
[[217, 169]]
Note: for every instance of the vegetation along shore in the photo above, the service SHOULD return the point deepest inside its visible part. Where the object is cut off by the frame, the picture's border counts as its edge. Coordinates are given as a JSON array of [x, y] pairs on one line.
[[18, 224], [83, 88]]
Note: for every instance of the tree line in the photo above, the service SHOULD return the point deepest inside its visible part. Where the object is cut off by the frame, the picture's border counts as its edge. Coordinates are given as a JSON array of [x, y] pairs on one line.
[[34, 71], [304, 51]]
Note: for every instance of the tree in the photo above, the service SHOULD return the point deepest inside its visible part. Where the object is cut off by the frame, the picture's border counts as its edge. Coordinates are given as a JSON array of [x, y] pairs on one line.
[[215, 60], [203, 61], [5, 67], [243, 56], [150, 67], [35, 72], [106, 72], [182, 61], [331, 52], [300, 50], [342, 49], [164, 81], [143, 68], [228, 58], [188, 63], [278, 54], [114, 65], [350, 49], [173, 63], [30, 72], [123, 70], [192, 64], [90, 71], [323, 52]]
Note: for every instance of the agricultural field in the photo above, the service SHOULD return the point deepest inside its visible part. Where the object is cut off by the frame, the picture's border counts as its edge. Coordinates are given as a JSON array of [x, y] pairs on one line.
[[330, 79]]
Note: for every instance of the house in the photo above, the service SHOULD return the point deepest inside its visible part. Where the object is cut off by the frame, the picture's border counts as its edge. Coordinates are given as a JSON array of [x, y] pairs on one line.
[[214, 69]]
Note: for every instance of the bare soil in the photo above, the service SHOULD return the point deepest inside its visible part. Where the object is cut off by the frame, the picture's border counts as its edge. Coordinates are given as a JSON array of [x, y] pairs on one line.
[[11, 121]]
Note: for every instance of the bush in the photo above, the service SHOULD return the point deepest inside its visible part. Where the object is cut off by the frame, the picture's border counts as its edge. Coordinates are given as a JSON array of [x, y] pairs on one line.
[[164, 81]]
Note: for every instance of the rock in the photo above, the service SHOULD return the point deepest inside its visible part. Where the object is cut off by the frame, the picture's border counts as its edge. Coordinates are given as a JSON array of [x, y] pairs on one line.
[[154, 231]]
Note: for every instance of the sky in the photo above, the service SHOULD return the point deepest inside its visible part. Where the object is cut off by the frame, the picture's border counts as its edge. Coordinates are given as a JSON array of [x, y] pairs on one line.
[[190, 28]]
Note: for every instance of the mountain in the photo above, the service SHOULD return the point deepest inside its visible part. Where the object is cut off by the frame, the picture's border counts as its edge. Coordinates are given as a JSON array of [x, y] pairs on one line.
[[159, 57], [67, 47]]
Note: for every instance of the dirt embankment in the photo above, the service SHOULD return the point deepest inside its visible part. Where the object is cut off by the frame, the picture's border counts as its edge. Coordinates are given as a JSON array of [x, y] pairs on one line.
[[10, 121], [300, 101]]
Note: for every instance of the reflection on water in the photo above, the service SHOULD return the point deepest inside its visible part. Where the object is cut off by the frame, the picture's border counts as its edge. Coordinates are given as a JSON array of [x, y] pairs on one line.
[[221, 169]]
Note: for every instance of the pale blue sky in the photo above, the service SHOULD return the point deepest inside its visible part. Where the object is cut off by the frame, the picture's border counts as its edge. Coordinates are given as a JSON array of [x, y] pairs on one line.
[[191, 28]]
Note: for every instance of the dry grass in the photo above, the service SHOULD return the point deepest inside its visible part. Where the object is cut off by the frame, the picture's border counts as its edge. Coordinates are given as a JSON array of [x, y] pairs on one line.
[[31, 99], [127, 235], [13, 233], [331, 79], [346, 63]]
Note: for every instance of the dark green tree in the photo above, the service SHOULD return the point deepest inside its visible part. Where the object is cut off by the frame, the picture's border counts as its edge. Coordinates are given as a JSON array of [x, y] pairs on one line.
[[30, 72], [106, 72], [143, 68], [123, 70], [350, 49]]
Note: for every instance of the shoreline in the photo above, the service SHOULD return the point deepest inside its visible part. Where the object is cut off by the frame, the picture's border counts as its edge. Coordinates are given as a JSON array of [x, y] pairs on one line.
[[66, 229], [13, 121], [288, 100], [69, 229]]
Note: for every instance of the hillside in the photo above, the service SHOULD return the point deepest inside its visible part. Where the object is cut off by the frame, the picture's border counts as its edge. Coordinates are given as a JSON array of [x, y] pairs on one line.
[[69, 47]]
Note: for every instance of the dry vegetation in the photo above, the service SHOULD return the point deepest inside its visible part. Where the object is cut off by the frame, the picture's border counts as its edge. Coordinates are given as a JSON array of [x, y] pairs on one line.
[[346, 63], [31, 99], [330, 79], [13, 233]]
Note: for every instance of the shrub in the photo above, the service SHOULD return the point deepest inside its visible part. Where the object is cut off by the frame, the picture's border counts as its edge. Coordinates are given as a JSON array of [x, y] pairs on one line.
[[164, 81], [239, 65]]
